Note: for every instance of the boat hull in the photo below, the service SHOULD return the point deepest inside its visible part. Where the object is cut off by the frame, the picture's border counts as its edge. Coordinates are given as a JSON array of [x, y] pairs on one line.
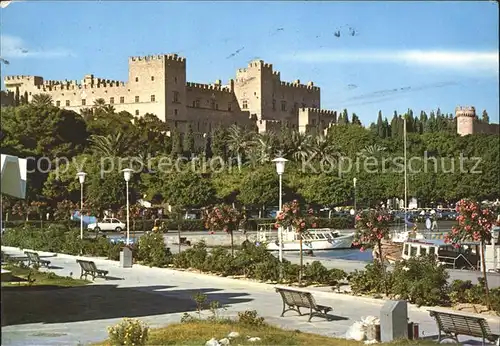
[[343, 242]]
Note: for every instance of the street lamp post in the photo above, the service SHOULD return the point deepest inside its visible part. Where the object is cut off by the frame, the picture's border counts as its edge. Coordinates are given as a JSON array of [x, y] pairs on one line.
[[280, 169], [354, 183], [127, 174], [81, 178]]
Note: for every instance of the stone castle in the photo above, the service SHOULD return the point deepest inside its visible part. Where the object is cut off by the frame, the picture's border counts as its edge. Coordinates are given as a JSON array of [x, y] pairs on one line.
[[157, 84], [468, 123]]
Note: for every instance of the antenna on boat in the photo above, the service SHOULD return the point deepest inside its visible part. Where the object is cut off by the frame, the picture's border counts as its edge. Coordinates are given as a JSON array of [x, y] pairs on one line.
[[406, 180]]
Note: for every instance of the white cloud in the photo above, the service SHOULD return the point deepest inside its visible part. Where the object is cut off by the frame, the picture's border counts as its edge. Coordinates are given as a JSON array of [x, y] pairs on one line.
[[15, 47], [477, 60]]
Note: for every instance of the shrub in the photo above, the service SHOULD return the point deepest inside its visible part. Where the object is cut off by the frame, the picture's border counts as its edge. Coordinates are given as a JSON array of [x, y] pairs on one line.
[[316, 272], [369, 281], [129, 332], [219, 261], [249, 256], [192, 258], [151, 250], [250, 318], [291, 272], [267, 270], [421, 281]]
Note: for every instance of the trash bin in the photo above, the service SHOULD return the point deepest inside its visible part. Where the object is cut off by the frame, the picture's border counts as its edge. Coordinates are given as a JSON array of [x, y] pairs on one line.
[[126, 258]]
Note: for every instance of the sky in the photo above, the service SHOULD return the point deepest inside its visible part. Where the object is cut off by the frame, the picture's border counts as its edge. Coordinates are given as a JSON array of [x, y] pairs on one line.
[[365, 56]]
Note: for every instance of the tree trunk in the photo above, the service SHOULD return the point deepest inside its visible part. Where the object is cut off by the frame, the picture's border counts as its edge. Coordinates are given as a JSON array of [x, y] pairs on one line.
[[301, 259], [486, 288], [232, 244], [179, 235], [381, 259]]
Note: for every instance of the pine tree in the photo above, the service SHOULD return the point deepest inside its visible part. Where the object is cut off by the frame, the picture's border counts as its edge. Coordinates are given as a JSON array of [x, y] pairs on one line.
[[387, 129], [394, 125], [176, 144], [219, 140], [486, 117], [380, 125], [345, 116], [189, 141], [208, 146], [17, 98], [355, 120]]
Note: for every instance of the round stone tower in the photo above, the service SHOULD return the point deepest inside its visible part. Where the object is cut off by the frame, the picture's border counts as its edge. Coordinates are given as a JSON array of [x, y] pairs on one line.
[[466, 117]]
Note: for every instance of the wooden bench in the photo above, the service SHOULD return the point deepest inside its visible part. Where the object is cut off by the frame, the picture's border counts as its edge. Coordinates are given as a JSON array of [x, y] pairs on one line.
[[89, 268], [452, 325], [295, 300], [34, 258]]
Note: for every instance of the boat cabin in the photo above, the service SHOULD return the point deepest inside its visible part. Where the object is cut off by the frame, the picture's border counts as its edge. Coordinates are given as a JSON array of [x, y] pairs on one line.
[[464, 257]]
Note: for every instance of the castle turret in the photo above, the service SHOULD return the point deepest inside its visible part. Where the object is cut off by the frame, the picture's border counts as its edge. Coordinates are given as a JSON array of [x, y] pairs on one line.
[[466, 117]]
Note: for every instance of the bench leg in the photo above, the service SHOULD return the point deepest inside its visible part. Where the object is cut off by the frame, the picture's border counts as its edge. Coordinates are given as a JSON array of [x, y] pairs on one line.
[[311, 313]]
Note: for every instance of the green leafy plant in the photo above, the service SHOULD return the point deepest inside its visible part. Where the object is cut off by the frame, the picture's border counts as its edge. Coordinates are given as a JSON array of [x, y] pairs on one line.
[[250, 318], [129, 332], [368, 281], [151, 250], [420, 280]]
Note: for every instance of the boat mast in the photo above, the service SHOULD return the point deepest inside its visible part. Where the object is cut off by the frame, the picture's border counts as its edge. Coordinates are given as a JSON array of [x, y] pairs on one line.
[[406, 181]]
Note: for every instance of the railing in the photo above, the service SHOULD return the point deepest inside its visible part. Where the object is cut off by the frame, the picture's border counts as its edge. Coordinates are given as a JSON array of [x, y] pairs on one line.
[[455, 259]]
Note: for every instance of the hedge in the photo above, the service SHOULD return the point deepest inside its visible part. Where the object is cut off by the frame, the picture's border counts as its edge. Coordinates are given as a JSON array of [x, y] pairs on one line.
[[141, 225]]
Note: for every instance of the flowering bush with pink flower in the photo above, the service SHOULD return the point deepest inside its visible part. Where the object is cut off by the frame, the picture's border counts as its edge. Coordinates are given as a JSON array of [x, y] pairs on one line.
[[371, 228], [223, 218], [474, 224], [293, 216]]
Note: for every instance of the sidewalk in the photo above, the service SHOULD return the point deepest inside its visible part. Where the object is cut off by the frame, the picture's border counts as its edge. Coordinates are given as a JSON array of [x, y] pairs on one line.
[[160, 296]]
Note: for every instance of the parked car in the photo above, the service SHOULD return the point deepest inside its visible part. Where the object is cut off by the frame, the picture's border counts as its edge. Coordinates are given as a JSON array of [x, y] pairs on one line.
[[107, 224]]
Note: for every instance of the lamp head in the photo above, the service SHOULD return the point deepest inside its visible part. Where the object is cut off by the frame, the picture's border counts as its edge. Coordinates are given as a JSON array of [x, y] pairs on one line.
[[81, 176], [354, 180], [280, 165], [127, 173]]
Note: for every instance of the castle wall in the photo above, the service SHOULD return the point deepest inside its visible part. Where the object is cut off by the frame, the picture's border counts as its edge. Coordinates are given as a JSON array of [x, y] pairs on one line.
[[481, 127], [315, 121], [157, 84]]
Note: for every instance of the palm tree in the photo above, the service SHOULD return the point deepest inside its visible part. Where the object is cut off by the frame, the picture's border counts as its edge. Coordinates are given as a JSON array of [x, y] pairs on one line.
[[264, 145], [87, 113], [41, 100], [109, 109], [372, 150], [299, 145], [99, 103], [237, 142], [109, 146], [324, 149]]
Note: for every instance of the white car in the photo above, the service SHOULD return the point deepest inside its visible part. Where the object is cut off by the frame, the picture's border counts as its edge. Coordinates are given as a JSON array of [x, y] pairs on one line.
[[107, 224]]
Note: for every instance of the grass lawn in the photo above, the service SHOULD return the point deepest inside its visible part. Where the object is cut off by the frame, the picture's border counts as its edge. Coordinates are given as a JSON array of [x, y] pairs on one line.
[[20, 278], [199, 332]]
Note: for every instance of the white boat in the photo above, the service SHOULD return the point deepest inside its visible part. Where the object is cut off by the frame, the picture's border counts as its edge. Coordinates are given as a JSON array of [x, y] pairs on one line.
[[312, 239], [403, 236]]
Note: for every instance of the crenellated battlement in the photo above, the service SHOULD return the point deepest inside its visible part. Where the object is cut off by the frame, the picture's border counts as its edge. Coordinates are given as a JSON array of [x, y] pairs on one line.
[[317, 111], [99, 83], [218, 87], [465, 111], [158, 57], [296, 84], [34, 80]]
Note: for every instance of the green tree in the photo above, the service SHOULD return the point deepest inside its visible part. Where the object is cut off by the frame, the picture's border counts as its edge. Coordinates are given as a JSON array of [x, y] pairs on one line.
[[189, 141], [486, 117], [176, 144], [259, 188], [380, 126], [355, 120], [219, 143], [188, 190]]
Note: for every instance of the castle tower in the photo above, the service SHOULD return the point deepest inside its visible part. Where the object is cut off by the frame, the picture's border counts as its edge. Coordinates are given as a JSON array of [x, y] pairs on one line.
[[466, 117], [159, 81]]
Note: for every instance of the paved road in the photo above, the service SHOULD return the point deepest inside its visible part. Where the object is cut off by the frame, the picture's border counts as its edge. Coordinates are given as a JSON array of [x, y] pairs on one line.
[[160, 297]]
